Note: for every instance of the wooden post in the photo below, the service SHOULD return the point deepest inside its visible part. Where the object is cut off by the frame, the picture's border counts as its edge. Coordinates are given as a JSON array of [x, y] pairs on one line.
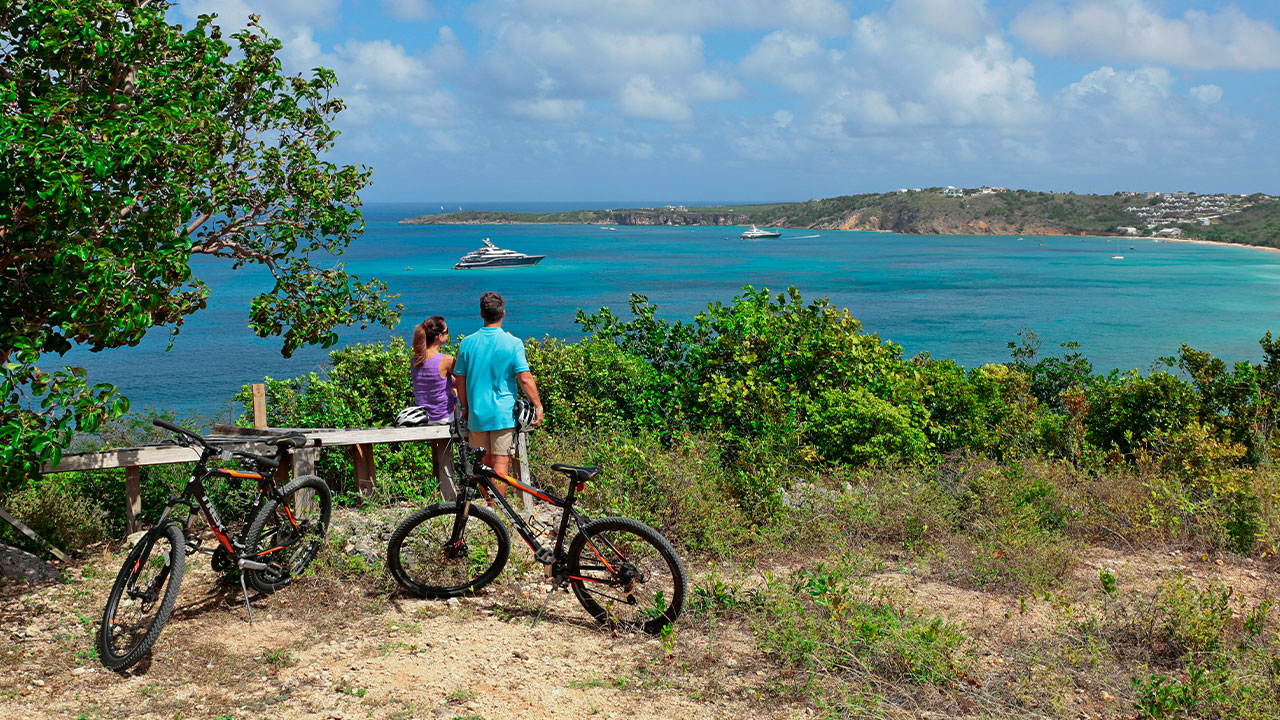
[[522, 458], [22, 527], [259, 405], [362, 463], [133, 496], [304, 463]]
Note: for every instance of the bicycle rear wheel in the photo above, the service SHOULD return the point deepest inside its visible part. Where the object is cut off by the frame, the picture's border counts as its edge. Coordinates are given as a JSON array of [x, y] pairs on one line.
[[626, 574], [142, 598], [288, 532], [422, 558]]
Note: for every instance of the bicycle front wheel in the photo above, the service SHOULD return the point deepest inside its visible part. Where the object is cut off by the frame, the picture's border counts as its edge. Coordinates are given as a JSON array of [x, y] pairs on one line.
[[142, 598], [288, 532], [626, 574], [424, 559]]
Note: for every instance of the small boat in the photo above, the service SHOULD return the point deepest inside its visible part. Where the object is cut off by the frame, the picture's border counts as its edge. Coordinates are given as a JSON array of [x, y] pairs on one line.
[[756, 233], [492, 256], [1117, 257]]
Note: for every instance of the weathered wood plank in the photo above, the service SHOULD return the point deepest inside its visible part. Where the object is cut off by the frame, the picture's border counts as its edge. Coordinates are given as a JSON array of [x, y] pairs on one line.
[[362, 464], [304, 463], [133, 497], [362, 436], [522, 460], [22, 528], [259, 405], [124, 457]]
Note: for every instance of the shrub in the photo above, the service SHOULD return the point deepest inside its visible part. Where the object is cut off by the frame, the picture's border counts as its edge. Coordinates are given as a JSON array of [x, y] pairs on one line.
[[826, 620]]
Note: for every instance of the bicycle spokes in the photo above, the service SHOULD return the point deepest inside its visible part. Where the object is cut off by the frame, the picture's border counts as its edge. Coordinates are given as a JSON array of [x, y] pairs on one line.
[[140, 603], [624, 573]]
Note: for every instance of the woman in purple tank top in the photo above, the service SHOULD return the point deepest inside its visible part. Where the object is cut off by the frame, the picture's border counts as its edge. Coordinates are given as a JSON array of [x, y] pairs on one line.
[[432, 375]]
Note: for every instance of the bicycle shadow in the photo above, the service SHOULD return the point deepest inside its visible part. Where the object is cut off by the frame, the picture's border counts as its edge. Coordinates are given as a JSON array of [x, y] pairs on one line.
[[509, 609], [223, 594]]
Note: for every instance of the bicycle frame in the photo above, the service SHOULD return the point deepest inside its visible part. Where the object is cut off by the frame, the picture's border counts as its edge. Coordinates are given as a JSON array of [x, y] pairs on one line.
[[480, 476], [194, 495]]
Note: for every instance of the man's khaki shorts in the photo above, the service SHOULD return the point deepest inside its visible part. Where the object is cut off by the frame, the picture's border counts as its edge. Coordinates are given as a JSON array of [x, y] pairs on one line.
[[495, 442]]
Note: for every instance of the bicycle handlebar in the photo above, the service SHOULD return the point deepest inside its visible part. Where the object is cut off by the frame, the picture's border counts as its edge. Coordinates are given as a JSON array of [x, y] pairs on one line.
[[183, 432], [180, 431]]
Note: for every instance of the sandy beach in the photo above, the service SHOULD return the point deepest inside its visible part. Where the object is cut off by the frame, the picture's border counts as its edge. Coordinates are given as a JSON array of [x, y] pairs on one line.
[[1215, 242]]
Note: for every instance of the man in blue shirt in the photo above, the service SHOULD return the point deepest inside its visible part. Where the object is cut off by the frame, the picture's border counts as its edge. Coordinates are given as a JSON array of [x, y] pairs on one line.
[[491, 365]]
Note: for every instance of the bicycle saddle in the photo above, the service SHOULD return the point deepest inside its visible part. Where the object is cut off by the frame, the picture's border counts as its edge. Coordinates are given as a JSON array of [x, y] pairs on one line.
[[292, 440], [581, 474]]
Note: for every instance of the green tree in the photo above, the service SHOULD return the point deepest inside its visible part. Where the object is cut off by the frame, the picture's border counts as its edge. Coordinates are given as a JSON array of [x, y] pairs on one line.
[[128, 145]]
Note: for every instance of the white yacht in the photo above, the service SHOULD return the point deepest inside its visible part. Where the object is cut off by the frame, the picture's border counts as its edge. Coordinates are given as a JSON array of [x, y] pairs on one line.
[[756, 233], [492, 256]]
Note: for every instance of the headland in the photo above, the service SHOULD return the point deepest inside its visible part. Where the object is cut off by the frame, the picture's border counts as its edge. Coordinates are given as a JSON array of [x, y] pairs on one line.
[[1221, 218]]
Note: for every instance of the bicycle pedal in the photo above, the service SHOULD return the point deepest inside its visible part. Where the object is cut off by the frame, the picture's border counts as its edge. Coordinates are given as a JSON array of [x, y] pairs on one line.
[[544, 556]]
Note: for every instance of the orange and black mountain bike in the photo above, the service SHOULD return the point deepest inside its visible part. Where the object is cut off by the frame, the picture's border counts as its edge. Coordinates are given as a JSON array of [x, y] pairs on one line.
[[282, 532], [625, 573]]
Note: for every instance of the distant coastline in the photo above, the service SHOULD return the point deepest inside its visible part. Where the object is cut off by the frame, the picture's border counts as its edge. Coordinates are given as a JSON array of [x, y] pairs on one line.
[[1249, 221]]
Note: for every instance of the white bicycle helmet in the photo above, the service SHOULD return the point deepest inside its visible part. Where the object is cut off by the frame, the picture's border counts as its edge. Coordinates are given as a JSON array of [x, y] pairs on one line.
[[524, 414], [412, 417]]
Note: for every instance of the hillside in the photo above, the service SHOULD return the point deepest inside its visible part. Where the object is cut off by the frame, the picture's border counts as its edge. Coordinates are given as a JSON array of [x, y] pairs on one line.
[[1257, 225], [926, 212]]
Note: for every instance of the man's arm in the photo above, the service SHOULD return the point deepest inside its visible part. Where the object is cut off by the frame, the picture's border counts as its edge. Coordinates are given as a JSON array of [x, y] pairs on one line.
[[460, 384], [530, 389]]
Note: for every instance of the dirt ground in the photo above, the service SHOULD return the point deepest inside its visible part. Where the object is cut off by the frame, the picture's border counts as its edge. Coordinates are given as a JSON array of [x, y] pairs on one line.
[[327, 649]]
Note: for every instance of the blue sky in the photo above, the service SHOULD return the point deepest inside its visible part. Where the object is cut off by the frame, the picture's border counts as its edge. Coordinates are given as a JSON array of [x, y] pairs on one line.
[[754, 100]]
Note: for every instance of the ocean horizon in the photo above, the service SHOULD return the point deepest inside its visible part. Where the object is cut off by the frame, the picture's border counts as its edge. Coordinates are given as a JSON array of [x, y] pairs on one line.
[[954, 296]]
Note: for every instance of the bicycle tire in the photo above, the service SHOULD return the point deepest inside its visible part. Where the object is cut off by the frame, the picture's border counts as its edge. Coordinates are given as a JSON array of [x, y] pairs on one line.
[[630, 558], [286, 536], [160, 594], [418, 550]]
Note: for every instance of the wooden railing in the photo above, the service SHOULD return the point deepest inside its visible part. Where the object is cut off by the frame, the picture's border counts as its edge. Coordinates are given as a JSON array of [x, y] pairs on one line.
[[358, 441]]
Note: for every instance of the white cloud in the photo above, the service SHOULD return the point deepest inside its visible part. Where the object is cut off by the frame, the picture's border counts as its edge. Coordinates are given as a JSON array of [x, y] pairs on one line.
[[547, 109], [640, 99], [712, 87], [1206, 93], [799, 63], [1130, 30], [1110, 95], [279, 17], [951, 19], [634, 150], [408, 9], [383, 64], [827, 17], [902, 73], [685, 152]]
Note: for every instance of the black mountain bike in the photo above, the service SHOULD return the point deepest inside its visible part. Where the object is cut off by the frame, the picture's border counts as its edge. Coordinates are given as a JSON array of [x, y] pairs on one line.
[[623, 572], [282, 532]]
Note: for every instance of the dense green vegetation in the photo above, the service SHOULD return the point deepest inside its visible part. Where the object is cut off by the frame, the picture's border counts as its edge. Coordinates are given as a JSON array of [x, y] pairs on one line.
[[1258, 225], [130, 146], [772, 392], [774, 432]]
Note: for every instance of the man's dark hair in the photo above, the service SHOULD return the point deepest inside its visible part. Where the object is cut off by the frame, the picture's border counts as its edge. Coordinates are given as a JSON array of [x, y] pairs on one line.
[[492, 307]]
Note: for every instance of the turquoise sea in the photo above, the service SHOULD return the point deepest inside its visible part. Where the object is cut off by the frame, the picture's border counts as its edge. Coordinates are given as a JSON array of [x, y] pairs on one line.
[[959, 297]]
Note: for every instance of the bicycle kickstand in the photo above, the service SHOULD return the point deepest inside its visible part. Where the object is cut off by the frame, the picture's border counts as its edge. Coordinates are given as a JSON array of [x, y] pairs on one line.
[[245, 590], [542, 609]]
